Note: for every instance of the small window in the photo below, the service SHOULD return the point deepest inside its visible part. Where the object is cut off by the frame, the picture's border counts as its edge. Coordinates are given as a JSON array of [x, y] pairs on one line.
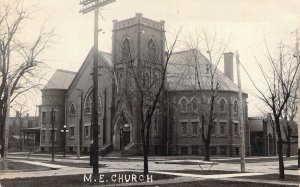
[[222, 128], [72, 132], [184, 150], [195, 105], [156, 82], [53, 116], [195, 127], [195, 150], [146, 80], [44, 115], [86, 131], [155, 123], [72, 109], [223, 150], [237, 151], [183, 105], [213, 151], [222, 105], [43, 135], [235, 107], [183, 128], [30, 124], [236, 128]]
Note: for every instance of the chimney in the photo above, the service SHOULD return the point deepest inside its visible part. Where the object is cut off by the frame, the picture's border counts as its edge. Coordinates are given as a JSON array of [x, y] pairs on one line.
[[228, 65]]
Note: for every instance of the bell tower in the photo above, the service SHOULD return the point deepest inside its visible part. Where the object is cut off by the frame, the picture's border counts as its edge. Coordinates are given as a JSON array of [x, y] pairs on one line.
[[137, 43]]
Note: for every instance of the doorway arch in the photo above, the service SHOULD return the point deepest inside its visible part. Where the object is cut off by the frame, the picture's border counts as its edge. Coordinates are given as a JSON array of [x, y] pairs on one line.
[[122, 132]]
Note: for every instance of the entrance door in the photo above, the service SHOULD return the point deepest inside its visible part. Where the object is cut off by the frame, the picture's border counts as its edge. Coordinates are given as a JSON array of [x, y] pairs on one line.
[[126, 137]]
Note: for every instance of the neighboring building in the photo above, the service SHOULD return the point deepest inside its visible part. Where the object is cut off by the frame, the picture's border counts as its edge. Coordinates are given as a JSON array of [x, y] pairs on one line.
[[22, 132], [53, 98], [175, 129], [183, 118], [264, 136]]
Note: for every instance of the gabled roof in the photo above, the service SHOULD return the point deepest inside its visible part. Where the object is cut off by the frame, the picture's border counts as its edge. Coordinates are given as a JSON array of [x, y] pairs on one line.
[[61, 79], [104, 60], [181, 72]]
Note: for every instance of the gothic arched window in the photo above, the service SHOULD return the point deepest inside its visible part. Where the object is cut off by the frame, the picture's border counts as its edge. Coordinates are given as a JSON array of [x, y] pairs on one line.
[[235, 107], [72, 109], [155, 123], [183, 105], [89, 102], [125, 50], [151, 51], [146, 80], [222, 105], [156, 82], [194, 104]]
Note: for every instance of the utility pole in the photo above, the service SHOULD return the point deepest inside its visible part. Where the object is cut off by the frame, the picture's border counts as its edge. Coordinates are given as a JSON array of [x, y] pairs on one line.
[[94, 5], [241, 114], [298, 61], [6, 128], [52, 133]]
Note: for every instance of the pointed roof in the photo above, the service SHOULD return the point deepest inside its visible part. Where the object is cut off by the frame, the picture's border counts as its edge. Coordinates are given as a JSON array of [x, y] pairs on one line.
[[104, 59], [61, 79], [181, 72]]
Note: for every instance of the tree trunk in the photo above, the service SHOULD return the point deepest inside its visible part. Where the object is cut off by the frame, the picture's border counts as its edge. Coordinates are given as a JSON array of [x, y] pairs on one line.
[[279, 149], [146, 151], [288, 150], [207, 152], [2, 125]]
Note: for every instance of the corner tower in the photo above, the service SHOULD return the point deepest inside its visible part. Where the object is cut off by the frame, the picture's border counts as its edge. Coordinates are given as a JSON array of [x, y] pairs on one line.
[[137, 43]]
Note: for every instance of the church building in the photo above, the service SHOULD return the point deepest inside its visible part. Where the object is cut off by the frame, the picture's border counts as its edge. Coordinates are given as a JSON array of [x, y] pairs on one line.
[[175, 129]]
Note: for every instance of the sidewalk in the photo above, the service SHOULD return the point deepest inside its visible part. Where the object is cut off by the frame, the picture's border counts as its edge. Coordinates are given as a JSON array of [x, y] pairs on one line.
[[137, 166]]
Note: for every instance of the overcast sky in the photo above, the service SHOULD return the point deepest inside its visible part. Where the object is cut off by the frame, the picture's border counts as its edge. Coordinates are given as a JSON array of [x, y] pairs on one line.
[[248, 22]]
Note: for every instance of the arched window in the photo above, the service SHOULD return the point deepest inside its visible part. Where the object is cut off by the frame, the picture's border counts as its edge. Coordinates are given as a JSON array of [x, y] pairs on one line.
[[72, 109], [89, 102], [195, 104], [151, 51], [146, 80], [156, 82], [125, 50], [235, 107], [183, 105], [155, 123], [222, 105]]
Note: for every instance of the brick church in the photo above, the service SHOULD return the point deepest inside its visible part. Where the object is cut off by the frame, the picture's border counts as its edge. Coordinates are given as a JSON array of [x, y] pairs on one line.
[[175, 128]]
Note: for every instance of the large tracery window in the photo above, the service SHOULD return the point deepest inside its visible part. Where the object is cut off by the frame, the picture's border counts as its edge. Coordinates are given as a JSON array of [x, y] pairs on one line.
[[125, 50], [151, 51], [89, 102]]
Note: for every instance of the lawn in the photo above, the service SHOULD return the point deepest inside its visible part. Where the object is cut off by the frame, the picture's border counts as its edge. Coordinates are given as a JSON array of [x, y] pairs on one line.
[[21, 167]]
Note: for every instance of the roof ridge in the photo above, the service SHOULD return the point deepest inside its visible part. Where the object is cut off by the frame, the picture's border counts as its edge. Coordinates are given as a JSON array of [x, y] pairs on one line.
[[66, 71]]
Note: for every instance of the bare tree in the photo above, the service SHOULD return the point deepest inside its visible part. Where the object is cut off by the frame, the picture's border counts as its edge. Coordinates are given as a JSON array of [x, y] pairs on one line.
[[280, 83], [203, 74], [289, 114], [18, 58]]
